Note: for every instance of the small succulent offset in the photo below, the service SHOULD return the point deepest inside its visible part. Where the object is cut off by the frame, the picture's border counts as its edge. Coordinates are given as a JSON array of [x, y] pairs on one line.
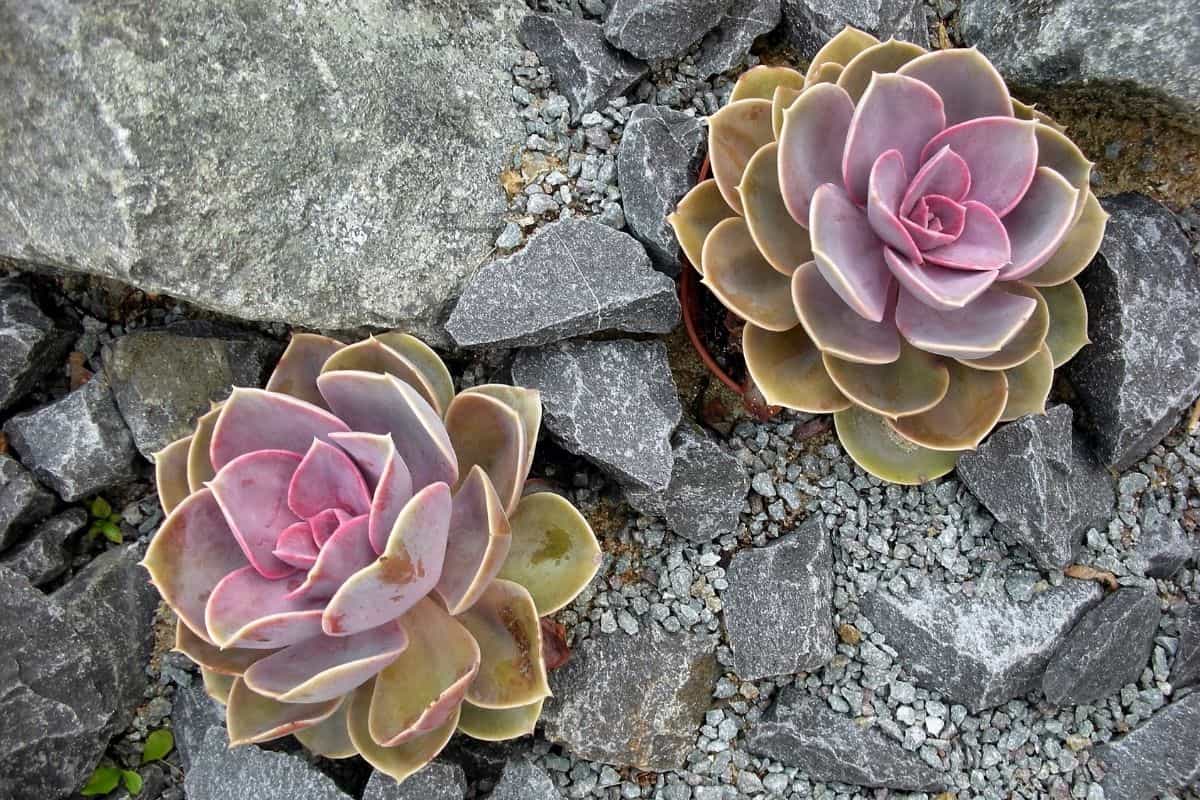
[[354, 556], [901, 237]]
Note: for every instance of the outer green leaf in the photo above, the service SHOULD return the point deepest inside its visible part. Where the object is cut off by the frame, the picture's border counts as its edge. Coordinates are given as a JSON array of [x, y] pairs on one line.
[[158, 744], [111, 532], [132, 781], [103, 781], [100, 508]]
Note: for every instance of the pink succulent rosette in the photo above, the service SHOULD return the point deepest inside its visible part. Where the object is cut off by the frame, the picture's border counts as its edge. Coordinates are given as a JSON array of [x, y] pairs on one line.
[[901, 237], [353, 557]]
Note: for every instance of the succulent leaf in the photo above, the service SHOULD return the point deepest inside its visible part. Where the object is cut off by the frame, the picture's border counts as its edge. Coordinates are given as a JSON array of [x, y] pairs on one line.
[[251, 717], [217, 685], [246, 490], [478, 543], [199, 467], [227, 661], [170, 473], [915, 382], [1077, 250], [700, 210], [1068, 321], [552, 553], [401, 760], [810, 146], [511, 671], [783, 243], [871, 442], [879, 59], [372, 355], [298, 367], [760, 83], [248, 610], [737, 273], [970, 87], [786, 367], [835, 327], [969, 410], [253, 419], [1029, 385], [487, 432], [1026, 343], [499, 724], [330, 738], [735, 134], [840, 50]]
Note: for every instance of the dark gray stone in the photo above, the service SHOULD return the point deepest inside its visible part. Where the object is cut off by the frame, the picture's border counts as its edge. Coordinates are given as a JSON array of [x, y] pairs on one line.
[[575, 277], [1156, 757], [78, 445], [524, 780], [1185, 671], [803, 731], [613, 402], [779, 604], [330, 165], [979, 651], [657, 164], [586, 68], [1106, 650], [44, 556], [1163, 542], [193, 712], [808, 24], [1042, 484], [30, 343], [22, 500], [725, 46], [707, 491], [633, 700], [438, 780], [1143, 366], [219, 773], [653, 29], [163, 380], [1148, 45]]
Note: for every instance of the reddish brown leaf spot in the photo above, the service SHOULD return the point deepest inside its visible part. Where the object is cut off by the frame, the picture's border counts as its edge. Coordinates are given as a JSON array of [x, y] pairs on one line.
[[337, 623], [554, 644], [399, 569]]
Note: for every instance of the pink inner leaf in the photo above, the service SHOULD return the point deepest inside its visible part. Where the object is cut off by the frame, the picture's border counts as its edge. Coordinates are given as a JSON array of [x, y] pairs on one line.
[[346, 552], [295, 546], [982, 245], [848, 253], [327, 478], [935, 221], [973, 332], [252, 492], [970, 87], [886, 187], [325, 523], [394, 490], [250, 611], [1039, 223], [1001, 154], [944, 174], [938, 287], [477, 544], [253, 420], [810, 145], [370, 452]]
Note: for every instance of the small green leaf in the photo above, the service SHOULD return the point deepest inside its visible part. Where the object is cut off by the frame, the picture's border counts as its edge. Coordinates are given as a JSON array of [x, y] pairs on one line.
[[100, 508], [132, 781], [111, 532], [103, 781], [158, 744]]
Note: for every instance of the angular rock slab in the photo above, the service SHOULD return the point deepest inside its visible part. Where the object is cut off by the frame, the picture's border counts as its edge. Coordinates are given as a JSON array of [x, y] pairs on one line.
[[613, 402], [979, 651], [633, 700], [1041, 483], [330, 165], [575, 277], [44, 557], [524, 780], [779, 604], [1106, 650], [78, 445], [1148, 46], [1186, 669], [1143, 366], [659, 161], [192, 714], [30, 343], [220, 773], [1157, 756], [438, 780], [653, 29], [586, 68], [23, 501], [1164, 543], [808, 24], [164, 380], [707, 491], [802, 731], [726, 45]]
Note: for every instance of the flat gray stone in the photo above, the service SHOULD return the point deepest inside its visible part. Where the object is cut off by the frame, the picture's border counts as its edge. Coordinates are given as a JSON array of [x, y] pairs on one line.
[[193, 712], [1106, 650], [653, 29], [332, 165], [803, 731], [78, 445], [1156, 757], [727, 44], [575, 277], [707, 491], [1143, 366], [163, 380], [524, 780], [659, 161], [980, 651], [1163, 542], [586, 68], [1186, 669], [633, 700], [1041, 484], [219, 773], [779, 604], [30, 343], [23, 501], [438, 780], [808, 24], [1146, 45], [44, 557], [613, 402]]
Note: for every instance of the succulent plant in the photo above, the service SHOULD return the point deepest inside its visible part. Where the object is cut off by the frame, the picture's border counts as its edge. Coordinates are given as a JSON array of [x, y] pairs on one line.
[[901, 237], [354, 557]]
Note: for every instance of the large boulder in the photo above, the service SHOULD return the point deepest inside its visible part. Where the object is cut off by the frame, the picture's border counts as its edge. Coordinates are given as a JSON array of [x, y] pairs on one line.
[[1158, 756], [808, 24], [653, 29], [727, 44], [220, 772], [330, 165]]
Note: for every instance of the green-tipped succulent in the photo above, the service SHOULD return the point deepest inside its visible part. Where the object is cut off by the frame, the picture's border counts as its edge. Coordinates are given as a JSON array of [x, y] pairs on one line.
[[354, 559], [901, 237]]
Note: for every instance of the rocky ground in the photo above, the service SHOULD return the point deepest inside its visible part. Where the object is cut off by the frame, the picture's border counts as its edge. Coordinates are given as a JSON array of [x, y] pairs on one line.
[[769, 622]]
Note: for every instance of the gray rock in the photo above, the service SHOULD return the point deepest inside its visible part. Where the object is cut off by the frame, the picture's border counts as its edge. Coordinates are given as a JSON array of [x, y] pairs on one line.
[[979, 651], [1163, 543], [1143, 366], [438, 780], [78, 445], [778, 607], [524, 780], [707, 491], [808, 24], [44, 556], [22, 500], [586, 68], [333, 167], [1041, 484], [802, 731], [613, 402], [726, 45], [574, 277], [1186, 669], [657, 164], [1106, 650], [1156, 757], [219, 773], [163, 380], [653, 29], [633, 700], [30, 343], [193, 712], [1145, 45]]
